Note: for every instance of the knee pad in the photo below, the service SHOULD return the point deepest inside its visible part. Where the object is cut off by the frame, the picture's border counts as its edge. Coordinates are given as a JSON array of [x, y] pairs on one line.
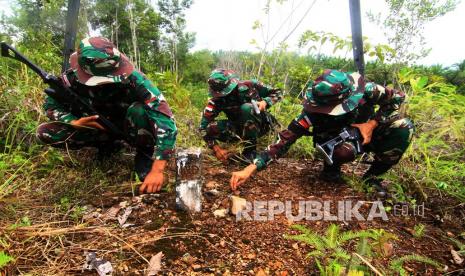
[[246, 108], [344, 153], [49, 133], [135, 110]]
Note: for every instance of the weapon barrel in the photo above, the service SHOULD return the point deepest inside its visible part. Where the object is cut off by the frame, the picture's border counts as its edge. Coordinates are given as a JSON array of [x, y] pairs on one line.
[[9, 51]]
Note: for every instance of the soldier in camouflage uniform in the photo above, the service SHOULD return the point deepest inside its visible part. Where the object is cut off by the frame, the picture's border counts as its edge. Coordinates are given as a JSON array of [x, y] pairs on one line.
[[236, 99], [334, 102], [104, 77]]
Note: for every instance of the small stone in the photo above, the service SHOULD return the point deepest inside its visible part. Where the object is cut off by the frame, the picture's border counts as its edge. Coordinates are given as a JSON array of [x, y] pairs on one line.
[[220, 213], [237, 204], [251, 256], [196, 267], [295, 246], [211, 185], [276, 195], [188, 259], [222, 243], [261, 272]]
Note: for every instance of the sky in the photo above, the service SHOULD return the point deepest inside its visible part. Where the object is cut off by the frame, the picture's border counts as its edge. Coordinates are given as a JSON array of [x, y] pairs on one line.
[[227, 25]]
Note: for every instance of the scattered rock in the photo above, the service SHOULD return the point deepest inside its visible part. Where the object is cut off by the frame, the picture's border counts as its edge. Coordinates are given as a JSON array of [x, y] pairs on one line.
[[222, 243], [188, 259], [220, 213], [295, 246], [211, 185], [196, 267], [237, 204], [251, 256], [456, 257]]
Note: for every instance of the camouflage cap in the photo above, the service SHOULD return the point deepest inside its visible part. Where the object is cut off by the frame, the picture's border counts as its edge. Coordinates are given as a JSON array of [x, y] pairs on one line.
[[334, 93], [97, 61], [221, 82]]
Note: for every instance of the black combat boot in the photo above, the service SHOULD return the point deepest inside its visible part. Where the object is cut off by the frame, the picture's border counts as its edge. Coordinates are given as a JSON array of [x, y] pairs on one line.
[[106, 150], [331, 173], [372, 179], [378, 189], [143, 163]]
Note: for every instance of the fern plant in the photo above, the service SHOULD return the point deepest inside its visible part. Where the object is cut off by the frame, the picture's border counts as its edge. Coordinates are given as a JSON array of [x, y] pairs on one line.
[[382, 237], [330, 256], [397, 264], [5, 259]]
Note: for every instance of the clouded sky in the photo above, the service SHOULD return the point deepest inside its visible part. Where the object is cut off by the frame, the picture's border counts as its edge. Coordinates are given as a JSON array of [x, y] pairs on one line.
[[227, 25]]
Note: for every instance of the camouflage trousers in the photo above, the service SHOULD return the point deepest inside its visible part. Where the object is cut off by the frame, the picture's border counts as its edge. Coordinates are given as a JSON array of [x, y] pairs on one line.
[[136, 125], [388, 143], [246, 127]]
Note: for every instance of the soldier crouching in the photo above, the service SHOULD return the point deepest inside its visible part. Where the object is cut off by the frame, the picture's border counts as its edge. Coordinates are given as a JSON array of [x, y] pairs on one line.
[[336, 100]]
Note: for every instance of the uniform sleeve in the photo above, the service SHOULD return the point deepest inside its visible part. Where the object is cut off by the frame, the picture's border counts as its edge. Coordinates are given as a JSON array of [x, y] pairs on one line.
[[209, 114], [267, 93], [56, 111], [286, 138], [158, 111], [388, 99]]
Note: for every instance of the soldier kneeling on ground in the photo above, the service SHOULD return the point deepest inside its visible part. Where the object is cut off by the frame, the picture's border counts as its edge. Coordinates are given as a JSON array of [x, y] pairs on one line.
[[104, 77], [245, 104], [335, 101]]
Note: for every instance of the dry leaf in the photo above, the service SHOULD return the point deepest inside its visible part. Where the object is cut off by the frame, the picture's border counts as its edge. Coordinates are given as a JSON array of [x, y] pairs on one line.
[[455, 255], [154, 264]]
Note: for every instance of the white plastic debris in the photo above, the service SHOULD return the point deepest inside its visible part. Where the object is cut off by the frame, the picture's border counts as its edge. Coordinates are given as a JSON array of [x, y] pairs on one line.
[[103, 268]]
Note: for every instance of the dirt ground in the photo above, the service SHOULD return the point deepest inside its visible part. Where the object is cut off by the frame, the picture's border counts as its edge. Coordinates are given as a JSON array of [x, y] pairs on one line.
[[201, 243]]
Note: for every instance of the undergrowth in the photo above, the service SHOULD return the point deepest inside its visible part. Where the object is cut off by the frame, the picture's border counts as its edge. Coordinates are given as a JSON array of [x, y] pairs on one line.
[[333, 254]]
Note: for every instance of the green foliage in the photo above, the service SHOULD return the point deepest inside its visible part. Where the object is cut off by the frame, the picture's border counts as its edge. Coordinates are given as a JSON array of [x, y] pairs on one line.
[[460, 245], [23, 222], [332, 258], [435, 158], [397, 264], [329, 254], [5, 259], [381, 238], [419, 230]]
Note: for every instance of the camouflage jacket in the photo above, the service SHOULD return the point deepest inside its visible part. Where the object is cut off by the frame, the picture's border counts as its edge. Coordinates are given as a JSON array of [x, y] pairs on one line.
[[326, 126], [113, 100], [245, 92]]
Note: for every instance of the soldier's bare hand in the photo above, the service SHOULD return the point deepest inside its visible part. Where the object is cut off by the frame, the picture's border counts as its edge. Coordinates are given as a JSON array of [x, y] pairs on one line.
[[221, 154], [87, 122], [153, 182], [240, 177], [366, 129], [262, 105]]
